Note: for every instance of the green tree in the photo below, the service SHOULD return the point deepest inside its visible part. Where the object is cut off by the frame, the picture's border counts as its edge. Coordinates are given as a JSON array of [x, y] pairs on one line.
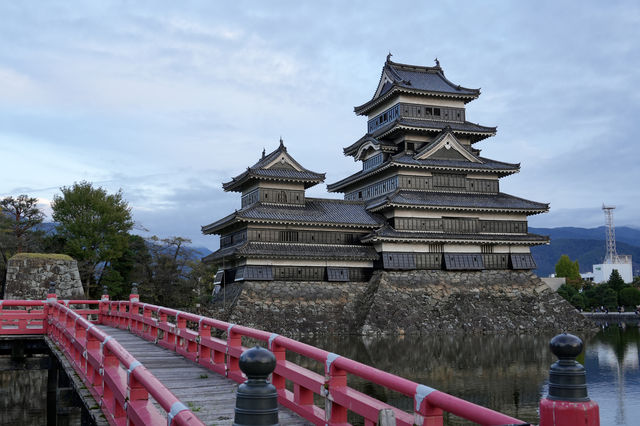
[[22, 215], [18, 218], [615, 281], [577, 300], [610, 299], [565, 268], [167, 272], [629, 296], [567, 292], [94, 226], [130, 267]]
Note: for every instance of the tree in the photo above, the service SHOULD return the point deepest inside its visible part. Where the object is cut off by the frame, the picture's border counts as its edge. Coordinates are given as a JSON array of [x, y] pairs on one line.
[[610, 298], [565, 268], [629, 296], [570, 271], [18, 218], [615, 281], [94, 226], [577, 300], [22, 214]]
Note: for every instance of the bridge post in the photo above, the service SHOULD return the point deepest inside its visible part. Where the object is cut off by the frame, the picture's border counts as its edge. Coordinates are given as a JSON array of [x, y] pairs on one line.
[[51, 297], [103, 307], [257, 399], [133, 308], [133, 297], [567, 403]]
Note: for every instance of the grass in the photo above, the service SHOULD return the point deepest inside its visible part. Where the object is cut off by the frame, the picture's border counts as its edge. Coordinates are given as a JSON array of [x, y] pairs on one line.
[[204, 376], [193, 408], [53, 256]]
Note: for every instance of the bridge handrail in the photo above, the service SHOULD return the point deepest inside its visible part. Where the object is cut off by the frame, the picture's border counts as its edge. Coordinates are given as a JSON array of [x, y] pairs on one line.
[[199, 346], [124, 385], [114, 377]]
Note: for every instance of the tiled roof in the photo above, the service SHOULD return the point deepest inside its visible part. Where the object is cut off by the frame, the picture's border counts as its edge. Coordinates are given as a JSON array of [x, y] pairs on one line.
[[403, 159], [482, 132], [457, 201], [296, 251], [258, 171], [315, 211], [417, 79], [486, 165], [389, 233], [354, 147]]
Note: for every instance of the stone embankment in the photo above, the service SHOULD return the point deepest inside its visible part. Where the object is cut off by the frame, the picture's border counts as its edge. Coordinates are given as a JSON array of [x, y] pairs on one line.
[[409, 302], [29, 274]]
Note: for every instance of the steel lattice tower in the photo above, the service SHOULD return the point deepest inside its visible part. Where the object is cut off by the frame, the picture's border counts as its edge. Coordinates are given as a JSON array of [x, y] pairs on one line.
[[612, 255]]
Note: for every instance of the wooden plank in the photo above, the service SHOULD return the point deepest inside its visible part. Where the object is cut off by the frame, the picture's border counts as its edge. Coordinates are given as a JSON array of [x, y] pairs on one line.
[[210, 396]]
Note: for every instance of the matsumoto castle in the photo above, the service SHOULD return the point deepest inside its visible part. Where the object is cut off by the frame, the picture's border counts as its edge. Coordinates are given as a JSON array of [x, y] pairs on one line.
[[424, 199]]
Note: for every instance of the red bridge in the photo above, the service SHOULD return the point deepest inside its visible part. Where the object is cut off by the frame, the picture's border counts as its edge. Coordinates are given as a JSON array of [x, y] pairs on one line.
[[147, 365]]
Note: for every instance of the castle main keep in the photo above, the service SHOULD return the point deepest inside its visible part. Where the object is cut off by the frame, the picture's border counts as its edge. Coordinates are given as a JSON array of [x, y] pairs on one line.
[[425, 199]]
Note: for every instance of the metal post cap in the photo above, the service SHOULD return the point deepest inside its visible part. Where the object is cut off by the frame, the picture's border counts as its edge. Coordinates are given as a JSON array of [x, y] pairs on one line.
[[257, 399], [566, 346], [134, 288], [257, 362], [567, 377], [52, 287], [105, 290]]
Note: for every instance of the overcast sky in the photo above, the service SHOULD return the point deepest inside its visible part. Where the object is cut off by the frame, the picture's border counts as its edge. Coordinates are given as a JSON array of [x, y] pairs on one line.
[[167, 100]]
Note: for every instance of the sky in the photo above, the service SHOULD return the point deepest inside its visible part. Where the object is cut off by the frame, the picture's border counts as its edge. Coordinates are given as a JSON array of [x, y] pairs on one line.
[[167, 100]]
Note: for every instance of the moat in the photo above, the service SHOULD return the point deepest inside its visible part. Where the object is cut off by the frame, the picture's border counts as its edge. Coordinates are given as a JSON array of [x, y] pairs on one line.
[[505, 373]]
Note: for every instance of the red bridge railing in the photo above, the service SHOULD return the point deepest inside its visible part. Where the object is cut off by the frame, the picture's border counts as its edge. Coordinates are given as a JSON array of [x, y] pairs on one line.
[[116, 380], [103, 364]]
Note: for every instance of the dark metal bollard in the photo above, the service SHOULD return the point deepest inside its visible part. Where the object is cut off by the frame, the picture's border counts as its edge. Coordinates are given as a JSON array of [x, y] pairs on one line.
[[567, 403], [51, 292], [134, 296], [105, 293], [257, 399]]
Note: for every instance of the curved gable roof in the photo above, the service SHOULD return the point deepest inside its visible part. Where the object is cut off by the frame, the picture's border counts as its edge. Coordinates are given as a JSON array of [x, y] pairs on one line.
[[416, 79]]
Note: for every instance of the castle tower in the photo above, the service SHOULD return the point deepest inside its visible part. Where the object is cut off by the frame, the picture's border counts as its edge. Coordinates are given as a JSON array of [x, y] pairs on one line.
[[424, 199], [279, 233], [422, 172]]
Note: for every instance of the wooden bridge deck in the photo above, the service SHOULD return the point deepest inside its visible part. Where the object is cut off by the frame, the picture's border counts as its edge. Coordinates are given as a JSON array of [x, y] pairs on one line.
[[210, 396]]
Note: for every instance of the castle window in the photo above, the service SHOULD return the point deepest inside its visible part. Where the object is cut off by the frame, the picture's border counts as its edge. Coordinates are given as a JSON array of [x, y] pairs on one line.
[[337, 274], [289, 236], [486, 249], [436, 112]]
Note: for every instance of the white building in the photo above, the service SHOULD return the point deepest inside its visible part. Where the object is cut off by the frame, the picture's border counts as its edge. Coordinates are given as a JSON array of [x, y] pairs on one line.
[[602, 272]]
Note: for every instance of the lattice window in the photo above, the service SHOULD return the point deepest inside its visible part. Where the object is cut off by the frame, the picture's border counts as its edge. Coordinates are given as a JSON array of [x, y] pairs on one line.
[[463, 261], [522, 261], [486, 249], [372, 161], [337, 274], [399, 260], [289, 236]]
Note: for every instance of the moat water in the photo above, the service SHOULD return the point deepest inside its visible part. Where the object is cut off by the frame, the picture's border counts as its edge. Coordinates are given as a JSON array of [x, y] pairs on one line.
[[505, 373]]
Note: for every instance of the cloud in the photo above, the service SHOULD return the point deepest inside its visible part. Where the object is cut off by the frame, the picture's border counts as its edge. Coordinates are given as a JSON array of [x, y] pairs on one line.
[[167, 101]]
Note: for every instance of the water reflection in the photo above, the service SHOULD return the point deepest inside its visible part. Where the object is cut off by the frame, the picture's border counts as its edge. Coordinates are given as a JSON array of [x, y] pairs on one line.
[[506, 373]]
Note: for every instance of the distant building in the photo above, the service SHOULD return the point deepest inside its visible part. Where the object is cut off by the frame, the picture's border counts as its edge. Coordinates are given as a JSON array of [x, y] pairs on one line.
[[602, 272], [424, 198], [612, 260]]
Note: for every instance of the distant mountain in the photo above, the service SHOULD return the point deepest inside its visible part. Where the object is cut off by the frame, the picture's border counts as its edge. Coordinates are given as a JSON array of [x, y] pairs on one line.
[[587, 246], [624, 234], [201, 251]]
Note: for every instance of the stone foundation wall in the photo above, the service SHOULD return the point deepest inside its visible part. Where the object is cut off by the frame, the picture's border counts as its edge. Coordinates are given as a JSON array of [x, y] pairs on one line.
[[290, 307], [495, 301], [29, 274]]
